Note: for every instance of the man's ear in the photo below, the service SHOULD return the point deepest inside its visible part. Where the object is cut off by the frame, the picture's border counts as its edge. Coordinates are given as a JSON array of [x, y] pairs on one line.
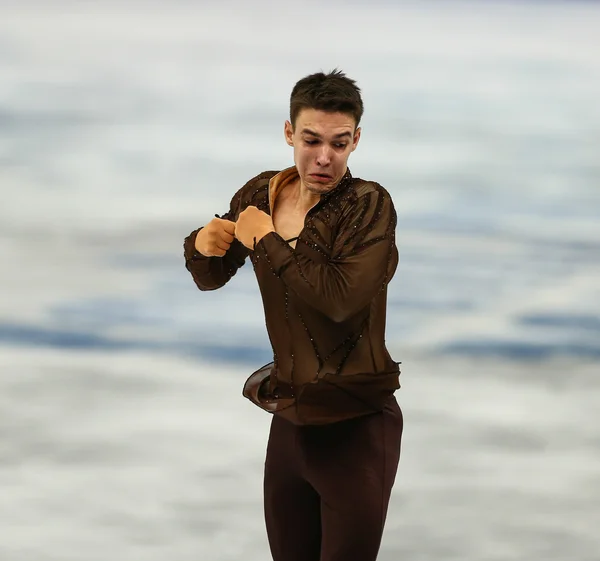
[[288, 131], [356, 138]]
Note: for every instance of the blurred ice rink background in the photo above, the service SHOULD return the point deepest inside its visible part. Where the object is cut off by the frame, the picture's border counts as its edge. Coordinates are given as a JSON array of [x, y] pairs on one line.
[[124, 126]]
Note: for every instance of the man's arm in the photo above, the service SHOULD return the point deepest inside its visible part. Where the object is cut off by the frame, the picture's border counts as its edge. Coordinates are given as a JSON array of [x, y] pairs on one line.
[[364, 257], [210, 273]]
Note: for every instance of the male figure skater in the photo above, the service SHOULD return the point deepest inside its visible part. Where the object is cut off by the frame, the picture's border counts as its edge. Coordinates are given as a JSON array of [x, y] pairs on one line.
[[322, 244]]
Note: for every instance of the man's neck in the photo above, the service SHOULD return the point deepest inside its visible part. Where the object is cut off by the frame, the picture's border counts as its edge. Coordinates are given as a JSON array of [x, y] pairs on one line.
[[303, 198]]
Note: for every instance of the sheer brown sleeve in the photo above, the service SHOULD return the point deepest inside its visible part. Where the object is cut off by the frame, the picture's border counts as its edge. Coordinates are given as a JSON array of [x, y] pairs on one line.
[[210, 273], [363, 259]]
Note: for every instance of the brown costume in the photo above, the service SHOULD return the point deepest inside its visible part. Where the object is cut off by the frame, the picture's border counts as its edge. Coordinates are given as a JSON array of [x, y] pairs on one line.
[[325, 310], [324, 300]]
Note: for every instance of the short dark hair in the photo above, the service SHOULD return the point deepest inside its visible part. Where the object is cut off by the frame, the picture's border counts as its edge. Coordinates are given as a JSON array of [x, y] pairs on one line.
[[333, 92]]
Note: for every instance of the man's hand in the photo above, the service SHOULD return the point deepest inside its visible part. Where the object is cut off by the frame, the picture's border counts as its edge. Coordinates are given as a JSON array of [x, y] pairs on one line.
[[215, 238], [252, 225]]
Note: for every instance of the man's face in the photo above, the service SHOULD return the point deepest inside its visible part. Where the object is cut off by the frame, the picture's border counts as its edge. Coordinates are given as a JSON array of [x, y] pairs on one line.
[[322, 143]]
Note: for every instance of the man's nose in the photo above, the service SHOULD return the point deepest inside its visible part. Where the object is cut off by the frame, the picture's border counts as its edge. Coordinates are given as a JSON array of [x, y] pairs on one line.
[[324, 156]]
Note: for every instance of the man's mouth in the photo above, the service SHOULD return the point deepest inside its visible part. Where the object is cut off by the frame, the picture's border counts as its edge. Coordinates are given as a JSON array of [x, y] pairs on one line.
[[321, 176]]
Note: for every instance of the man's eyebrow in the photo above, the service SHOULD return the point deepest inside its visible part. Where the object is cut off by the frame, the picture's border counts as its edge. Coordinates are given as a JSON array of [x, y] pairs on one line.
[[317, 135], [311, 132]]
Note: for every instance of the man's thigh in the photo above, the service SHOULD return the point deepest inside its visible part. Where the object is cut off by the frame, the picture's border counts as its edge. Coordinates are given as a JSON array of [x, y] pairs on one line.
[[292, 507], [353, 466]]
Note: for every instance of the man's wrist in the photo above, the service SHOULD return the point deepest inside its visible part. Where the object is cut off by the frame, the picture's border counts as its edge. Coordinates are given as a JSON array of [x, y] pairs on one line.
[[262, 233], [197, 240]]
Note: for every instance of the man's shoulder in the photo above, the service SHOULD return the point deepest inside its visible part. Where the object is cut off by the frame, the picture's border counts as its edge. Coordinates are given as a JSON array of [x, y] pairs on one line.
[[255, 187], [260, 180], [362, 187], [254, 190]]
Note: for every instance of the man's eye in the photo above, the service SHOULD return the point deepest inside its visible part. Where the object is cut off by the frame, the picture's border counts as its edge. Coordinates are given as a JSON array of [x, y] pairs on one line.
[[338, 145], [311, 142]]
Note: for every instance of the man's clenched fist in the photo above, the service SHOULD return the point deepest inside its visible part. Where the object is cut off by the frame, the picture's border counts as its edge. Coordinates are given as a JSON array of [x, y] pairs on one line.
[[215, 238], [252, 225]]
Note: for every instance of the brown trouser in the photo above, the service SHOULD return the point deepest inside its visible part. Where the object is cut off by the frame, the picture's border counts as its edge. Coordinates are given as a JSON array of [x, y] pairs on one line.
[[327, 487]]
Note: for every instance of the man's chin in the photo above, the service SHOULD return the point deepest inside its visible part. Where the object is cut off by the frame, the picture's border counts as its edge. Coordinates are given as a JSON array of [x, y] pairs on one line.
[[319, 187]]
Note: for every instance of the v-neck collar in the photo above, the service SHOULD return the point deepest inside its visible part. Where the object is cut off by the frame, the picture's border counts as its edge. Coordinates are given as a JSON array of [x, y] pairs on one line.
[[279, 181]]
